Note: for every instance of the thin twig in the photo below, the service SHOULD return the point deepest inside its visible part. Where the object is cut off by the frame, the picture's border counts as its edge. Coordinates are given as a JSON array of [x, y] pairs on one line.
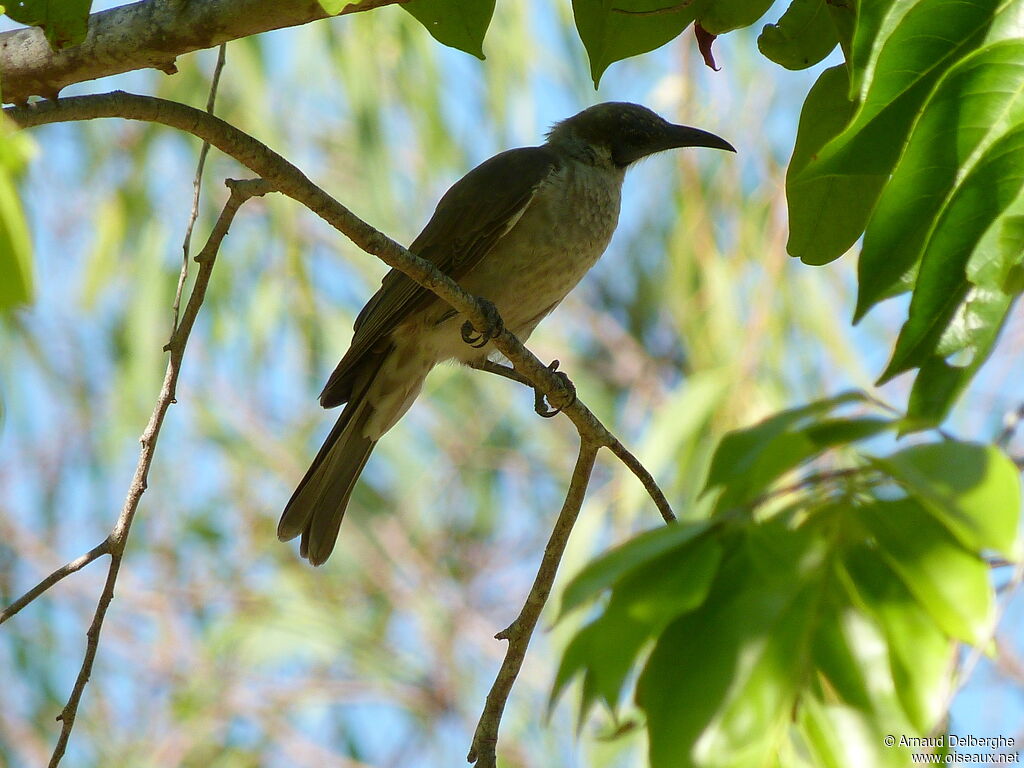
[[645, 477], [607, 439], [518, 633], [1011, 422], [240, 192], [197, 184], [103, 548], [506, 372]]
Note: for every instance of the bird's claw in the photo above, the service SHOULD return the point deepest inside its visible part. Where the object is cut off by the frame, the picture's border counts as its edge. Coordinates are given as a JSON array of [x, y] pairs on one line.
[[492, 328], [541, 407]]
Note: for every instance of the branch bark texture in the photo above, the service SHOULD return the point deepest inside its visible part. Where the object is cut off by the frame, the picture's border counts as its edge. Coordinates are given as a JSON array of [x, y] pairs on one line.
[[146, 35]]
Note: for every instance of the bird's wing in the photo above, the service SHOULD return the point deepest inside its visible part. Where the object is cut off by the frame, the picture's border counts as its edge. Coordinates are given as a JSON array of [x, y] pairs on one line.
[[471, 217]]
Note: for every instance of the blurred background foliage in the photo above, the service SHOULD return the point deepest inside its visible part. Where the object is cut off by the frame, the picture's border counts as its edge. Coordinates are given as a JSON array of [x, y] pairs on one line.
[[223, 648]]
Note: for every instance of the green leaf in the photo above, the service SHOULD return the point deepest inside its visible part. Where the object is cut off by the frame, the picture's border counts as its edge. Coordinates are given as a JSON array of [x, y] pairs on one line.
[[739, 450], [460, 24], [875, 21], [919, 652], [839, 736], [724, 16], [989, 189], [802, 37], [642, 604], [843, 720], [64, 23], [600, 574], [15, 242], [948, 581], [938, 384], [747, 461], [973, 489], [975, 328], [719, 686], [613, 30], [936, 387], [976, 104], [826, 212], [913, 47]]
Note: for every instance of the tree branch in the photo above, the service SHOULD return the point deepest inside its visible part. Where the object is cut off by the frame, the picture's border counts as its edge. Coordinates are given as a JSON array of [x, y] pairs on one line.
[[146, 35], [103, 548], [612, 443], [197, 186], [482, 752], [240, 192]]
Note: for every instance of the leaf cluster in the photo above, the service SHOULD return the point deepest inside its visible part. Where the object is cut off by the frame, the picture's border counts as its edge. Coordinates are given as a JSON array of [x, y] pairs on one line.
[[799, 625]]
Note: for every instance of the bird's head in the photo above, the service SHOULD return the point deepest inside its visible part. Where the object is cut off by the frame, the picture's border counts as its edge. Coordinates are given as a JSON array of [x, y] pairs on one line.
[[627, 132]]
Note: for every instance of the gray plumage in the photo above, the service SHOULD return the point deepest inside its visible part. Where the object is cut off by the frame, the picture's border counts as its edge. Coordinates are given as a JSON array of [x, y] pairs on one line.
[[521, 230]]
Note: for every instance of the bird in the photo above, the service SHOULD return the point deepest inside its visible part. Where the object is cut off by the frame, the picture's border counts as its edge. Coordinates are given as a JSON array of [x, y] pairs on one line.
[[518, 231]]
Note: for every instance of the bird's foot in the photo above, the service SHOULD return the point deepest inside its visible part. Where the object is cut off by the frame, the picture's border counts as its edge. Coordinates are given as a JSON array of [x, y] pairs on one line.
[[541, 407], [492, 328]]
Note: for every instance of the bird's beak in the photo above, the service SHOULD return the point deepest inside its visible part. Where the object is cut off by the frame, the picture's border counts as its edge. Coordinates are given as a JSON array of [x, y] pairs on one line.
[[685, 136]]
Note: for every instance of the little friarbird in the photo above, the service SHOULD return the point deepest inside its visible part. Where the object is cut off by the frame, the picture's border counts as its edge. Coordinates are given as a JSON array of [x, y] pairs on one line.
[[519, 230]]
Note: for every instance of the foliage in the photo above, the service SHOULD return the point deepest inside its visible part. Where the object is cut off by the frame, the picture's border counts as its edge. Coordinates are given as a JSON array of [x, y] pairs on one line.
[[834, 605]]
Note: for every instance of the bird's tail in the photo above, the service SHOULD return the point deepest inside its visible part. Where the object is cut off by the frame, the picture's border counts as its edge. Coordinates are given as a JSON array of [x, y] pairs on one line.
[[318, 504]]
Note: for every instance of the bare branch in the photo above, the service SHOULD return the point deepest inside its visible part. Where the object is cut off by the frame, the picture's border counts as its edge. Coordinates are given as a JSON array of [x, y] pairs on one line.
[[240, 192], [144, 35], [103, 548], [602, 436], [1011, 423], [197, 185], [506, 372], [645, 477], [518, 633]]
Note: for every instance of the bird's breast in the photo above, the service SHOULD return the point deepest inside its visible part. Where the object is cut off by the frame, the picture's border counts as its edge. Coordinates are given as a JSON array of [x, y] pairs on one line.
[[561, 234]]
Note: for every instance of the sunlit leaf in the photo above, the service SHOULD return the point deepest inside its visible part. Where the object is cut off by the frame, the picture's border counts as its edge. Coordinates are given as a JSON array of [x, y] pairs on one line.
[[918, 651], [16, 279], [748, 460], [601, 573], [973, 489], [15, 248], [976, 105], [718, 687], [948, 581], [642, 604], [724, 16], [913, 47]]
